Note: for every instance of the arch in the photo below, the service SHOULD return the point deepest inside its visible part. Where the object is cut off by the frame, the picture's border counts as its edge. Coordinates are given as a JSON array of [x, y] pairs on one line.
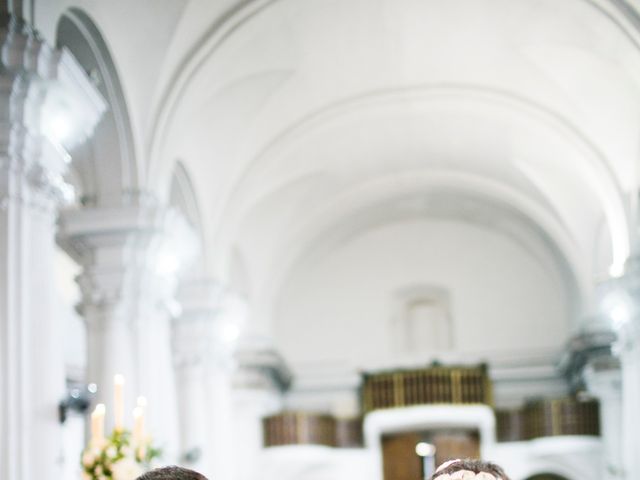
[[537, 227], [107, 166], [621, 16], [182, 197], [546, 476], [596, 168]]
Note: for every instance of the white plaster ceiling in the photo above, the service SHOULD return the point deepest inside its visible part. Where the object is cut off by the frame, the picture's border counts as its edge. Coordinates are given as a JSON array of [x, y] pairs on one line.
[[307, 103], [293, 117]]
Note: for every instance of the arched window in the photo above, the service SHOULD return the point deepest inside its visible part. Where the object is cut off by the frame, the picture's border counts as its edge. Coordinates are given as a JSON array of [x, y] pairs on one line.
[[422, 320]]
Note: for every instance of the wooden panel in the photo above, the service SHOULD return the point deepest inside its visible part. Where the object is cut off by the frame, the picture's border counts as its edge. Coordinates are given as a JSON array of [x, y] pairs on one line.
[[452, 444], [549, 417], [562, 416], [510, 425], [435, 384], [400, 461], [299, 428], [349, 432]]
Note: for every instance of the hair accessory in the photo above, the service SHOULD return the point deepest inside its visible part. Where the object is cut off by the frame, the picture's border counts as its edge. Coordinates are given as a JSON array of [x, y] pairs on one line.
[[465, 475], [446, 464]]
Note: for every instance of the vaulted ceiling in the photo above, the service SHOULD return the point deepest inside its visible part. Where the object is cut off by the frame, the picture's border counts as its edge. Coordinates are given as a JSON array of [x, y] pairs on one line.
[[301, 121]]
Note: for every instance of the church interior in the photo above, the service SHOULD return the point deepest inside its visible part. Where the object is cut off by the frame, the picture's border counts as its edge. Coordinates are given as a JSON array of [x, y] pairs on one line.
[[319, 239]]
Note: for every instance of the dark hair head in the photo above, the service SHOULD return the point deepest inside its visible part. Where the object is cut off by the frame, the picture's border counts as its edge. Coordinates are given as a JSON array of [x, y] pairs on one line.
[[172, 473], [475, 466]]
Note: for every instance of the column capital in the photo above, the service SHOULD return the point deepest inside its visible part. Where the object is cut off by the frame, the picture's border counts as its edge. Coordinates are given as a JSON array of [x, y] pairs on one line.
[[128, 254], [260, 366], [589, 351], [56, 85]]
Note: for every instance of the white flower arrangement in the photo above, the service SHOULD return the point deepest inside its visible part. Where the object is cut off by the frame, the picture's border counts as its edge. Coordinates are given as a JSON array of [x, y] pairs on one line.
[[117, 459]]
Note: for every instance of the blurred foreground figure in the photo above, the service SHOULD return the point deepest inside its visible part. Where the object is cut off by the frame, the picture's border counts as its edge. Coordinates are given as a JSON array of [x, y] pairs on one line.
[[172, 473], [469, 470]]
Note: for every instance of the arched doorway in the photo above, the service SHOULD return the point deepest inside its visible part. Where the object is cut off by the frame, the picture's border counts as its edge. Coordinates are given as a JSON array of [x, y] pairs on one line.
[[546, 476]]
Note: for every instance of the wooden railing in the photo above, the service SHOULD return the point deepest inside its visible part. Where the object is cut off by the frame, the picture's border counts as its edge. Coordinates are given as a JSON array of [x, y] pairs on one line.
[[436, 384], [549, 417], [304, 428]]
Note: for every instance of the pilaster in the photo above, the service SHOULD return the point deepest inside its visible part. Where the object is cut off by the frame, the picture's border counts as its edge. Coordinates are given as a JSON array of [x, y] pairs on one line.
[[130, 258], [620, 304], [205, 336], [260, 380], [33, 162], [192, 341]]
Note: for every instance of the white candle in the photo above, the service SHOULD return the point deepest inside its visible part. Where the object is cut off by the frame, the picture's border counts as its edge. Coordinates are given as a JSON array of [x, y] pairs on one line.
[[138, 426], [118, 398], [97, 425]]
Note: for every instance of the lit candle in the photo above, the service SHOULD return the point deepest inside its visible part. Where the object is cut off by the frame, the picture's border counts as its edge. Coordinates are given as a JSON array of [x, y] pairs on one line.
[[97, 425], [142, 402], [138, 426], [118, 405], [138, 417]]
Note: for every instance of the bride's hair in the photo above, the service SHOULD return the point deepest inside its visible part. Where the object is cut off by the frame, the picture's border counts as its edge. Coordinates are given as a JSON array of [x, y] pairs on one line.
[[469, 465]]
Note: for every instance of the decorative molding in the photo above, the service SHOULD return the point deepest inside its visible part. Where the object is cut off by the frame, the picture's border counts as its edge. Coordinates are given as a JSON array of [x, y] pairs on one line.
[[35, 77], [261, 369], [588, 350], [120, 250]]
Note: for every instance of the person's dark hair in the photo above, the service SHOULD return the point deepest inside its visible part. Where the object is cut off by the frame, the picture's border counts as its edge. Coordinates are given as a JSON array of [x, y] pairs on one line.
[[172, 473], [475, 466]]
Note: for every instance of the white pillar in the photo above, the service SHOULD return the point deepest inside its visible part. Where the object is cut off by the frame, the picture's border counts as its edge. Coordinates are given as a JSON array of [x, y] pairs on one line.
[[606, 385], [192, 337], [130, 258], [34, 79], [630, 360], [204, 340], [220, 408], [626, 298], [31, 368], [259, 382], [228, 322]]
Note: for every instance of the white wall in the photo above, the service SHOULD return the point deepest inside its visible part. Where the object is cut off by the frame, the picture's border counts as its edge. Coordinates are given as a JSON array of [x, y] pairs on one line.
[[335, 309]]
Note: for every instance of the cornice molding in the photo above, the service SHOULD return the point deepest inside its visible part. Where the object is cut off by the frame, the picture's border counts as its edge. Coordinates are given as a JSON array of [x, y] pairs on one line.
[[34, 77]]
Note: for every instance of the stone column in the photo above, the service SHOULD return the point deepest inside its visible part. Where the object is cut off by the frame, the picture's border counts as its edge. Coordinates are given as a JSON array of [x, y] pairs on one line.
[[260, 380], [593, 363], [204, 341], [605, 383], [228, 323], [630, 361], [192, 338], [623, 305], [32, 378], [33, 162], [130, 258]]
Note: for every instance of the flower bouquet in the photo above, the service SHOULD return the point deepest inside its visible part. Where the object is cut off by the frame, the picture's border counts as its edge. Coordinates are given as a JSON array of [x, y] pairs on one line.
[[123, 455], [117, 458]]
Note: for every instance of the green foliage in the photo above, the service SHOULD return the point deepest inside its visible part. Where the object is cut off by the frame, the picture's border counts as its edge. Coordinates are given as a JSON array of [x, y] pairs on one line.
[[117, 459]]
